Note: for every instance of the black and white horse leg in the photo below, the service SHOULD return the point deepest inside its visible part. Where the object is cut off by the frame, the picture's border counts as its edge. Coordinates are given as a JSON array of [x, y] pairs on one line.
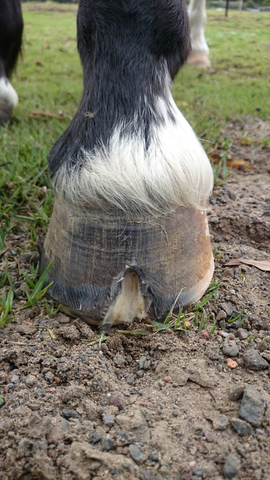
[[129, 233], [11, 28], [199, 55]]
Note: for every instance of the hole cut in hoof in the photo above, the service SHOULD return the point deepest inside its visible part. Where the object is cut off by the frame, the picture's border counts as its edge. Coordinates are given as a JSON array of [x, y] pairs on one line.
[[130, 303], [110, 268], [199, 59]]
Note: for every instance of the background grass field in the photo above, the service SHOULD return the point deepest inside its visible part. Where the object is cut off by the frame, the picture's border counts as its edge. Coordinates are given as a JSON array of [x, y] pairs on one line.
[[49, 79]]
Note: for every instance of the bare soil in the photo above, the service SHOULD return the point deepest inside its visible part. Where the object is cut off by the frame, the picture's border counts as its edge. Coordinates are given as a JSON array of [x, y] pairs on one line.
[[158, 406]]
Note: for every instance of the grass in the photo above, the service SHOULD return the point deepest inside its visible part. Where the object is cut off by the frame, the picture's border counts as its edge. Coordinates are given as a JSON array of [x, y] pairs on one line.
[[36, 286], [6, 303], [34, 292], [237, 84], [196, 316]]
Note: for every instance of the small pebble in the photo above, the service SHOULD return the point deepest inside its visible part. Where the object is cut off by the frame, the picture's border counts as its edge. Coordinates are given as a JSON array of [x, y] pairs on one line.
[[231, 466], [168, 379], [242, 333], [209, 437], [131, 380], [231, 363], [136, 453], [154, 457], [117, 401], [241, 427], [108, 444], [230, 348], [252, 406], [49, 376], [95, 438], [220, 423], [254, 361], [69, 413], [198, 471], [204, 334], [15, 379], [108, 420], [221, 315], [141, 362], [236, 392], [30, 380], [227, 307]]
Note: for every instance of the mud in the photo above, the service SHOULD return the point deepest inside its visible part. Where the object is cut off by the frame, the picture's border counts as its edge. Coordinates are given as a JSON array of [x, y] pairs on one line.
[[159, 405]]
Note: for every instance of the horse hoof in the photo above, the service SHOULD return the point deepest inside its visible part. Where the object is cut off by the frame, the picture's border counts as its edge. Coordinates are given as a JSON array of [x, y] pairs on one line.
[[111, 268], [5, 114], [199, 59], [8, 100]]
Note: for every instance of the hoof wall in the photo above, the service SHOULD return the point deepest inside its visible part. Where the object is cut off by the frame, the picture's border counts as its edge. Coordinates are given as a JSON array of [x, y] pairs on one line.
[[110, 268], [199, 59]]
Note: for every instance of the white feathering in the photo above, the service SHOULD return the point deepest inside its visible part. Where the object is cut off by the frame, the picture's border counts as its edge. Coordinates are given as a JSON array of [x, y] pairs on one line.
[[197, 18], [8, 95], [174, 171]]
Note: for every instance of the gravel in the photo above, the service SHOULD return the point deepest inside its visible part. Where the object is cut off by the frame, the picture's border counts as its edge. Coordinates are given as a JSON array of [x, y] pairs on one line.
[[236, 392], [108, 420], [231, 467], [230, 348], [254, 361], [69, 413], [135, 453], [252, 406], [241, 427]]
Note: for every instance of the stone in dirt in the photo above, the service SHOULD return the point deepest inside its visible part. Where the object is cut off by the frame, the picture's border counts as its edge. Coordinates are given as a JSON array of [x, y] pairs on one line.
[[254, 361], [230, 348], [242, 333], [241, 427], [118, 402], [236, 392], [227, 307], [252, 407], [220, 423], [266, 356], [231, 466], [231, 363], [221, 315], [135, 453], [204, 334], [108, 420]]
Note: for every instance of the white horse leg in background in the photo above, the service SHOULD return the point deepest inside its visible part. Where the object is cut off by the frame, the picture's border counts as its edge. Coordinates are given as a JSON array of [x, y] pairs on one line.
[[199, 55]]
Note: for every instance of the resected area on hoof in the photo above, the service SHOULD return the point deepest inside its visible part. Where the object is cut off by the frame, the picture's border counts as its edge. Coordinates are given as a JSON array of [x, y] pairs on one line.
[[111, 268]]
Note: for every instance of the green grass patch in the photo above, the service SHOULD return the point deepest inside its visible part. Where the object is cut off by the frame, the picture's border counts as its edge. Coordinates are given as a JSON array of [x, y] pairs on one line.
[[237, 84]]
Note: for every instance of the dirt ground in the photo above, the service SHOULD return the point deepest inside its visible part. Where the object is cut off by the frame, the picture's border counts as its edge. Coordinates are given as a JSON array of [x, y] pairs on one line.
[[170, 405]]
